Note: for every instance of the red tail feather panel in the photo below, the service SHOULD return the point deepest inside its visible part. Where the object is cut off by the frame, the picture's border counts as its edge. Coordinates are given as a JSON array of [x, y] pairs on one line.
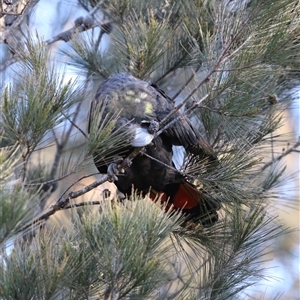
[[185, 198]]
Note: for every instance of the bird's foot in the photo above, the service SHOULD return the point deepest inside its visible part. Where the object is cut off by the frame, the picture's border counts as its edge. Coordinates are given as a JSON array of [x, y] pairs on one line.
[[126, 163], [112, 172], [153, 127], [115, 169]]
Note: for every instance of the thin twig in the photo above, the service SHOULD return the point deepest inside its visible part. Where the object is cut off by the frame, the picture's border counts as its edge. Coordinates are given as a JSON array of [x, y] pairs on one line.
[[85, 203], [204, 80], [185, 84], [15, 58], [240, 68], [87, 23], [68, 34], [99, 39], [96, 7], [61, 145], [64, 201], [65, 35], [281, 156], [160, 162], [26, 10], [167, 125], [1, 9], [75, 125], [55, 137], [59, 179], [74, 183]]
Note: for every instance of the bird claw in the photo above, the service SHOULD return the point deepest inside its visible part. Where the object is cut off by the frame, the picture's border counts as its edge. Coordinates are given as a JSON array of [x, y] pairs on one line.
[[112, 172], [126, 163], [114, 169]]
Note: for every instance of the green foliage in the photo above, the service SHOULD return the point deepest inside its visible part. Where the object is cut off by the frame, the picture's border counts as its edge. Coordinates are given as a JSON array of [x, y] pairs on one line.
[[104, 140], [109, 253], [17, 207], [37, 100], [39, 268], [229, 64], [129, 241], [148, 38], [87, 55]]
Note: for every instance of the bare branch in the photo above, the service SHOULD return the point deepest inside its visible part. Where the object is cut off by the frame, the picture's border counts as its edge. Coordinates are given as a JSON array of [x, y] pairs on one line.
[[9, 62], [74, 183], [59, 179], [80, 204], [26, 10], [281, 156], [1, 9], [204, 80], [75, 125], [61, 145], [96, 7], [167, 125], [64, 201], [81, 24]]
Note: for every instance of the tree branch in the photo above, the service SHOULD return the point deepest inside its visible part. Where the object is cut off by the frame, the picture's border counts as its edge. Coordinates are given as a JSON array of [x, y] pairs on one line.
[[81, 24], [281, 156], [15, 58], [59, 179], [26, 10], [222, 56], [64, 201], [61, 145], [75, 125]]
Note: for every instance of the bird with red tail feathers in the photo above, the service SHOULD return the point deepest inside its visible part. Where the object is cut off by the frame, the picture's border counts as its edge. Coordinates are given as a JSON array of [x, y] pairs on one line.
[[141, 107]]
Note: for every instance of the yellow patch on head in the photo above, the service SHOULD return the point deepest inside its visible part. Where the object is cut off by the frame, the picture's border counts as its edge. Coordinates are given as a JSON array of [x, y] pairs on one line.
[[148, 107], [128, 95], [143, 95], [130, 92], [128, 98]]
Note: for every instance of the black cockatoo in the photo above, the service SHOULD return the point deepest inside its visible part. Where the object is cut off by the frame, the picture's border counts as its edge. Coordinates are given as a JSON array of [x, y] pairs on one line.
[[141, 107]]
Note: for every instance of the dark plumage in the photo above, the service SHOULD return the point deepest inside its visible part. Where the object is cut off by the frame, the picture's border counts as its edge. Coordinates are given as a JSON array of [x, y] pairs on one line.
[[140, 103]]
